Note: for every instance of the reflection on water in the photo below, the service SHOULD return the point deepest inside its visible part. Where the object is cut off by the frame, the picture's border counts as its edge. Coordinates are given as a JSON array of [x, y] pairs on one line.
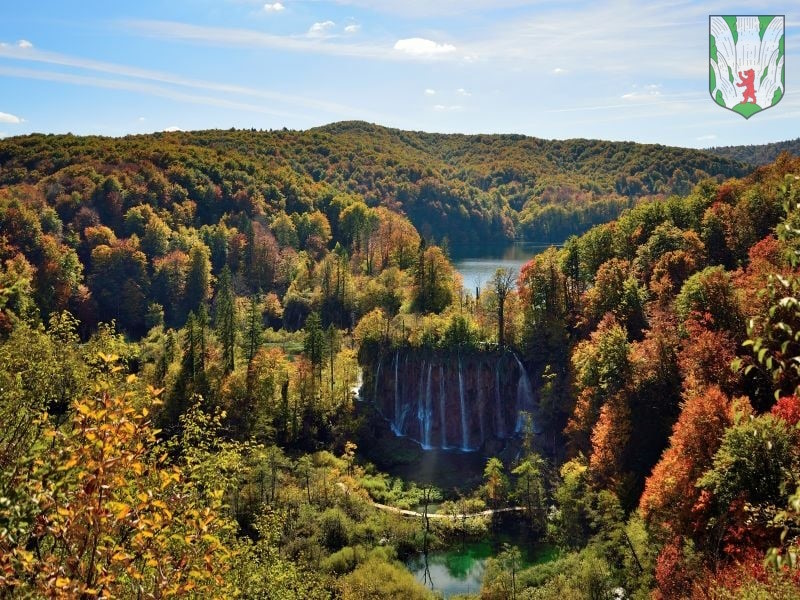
[[456, 572], [477, 263], [461, 570]]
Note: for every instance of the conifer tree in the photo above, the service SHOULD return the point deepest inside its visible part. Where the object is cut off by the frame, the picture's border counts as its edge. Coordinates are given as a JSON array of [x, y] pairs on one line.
[[226, 319]]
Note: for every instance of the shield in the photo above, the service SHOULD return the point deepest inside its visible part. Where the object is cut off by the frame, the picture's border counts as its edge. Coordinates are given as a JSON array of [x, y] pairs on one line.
[[746, 58]]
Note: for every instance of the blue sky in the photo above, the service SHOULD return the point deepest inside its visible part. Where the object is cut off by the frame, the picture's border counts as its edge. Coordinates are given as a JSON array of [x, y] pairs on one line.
[[618, 70]]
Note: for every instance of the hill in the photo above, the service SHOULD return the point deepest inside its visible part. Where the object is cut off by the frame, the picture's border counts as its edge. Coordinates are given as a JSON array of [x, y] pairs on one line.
[[467, 187], [761, 154]]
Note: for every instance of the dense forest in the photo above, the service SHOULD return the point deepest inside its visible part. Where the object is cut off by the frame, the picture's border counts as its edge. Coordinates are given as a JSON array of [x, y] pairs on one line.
[[465, 188], [761, 154], [193, 325]]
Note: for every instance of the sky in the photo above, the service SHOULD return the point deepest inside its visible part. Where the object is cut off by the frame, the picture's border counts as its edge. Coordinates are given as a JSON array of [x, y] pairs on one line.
[[614, 69]]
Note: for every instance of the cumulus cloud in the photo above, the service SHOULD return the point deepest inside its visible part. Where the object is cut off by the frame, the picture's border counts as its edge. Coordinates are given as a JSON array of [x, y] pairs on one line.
[[423, 47], [559, 71], [24, 44], [353, 28], [430, 92], [141, 119], [321, 28], [9, 118], [172, 129], [274, 7], [463, 92]]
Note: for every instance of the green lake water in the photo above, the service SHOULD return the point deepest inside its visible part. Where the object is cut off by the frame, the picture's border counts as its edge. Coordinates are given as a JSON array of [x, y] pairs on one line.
[[460, 570]]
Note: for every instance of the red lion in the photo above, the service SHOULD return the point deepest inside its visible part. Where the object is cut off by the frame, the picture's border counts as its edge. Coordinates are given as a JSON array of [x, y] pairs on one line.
[[748, 83]]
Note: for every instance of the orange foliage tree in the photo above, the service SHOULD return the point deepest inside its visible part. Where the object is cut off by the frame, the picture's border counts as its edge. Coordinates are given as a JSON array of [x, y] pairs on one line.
[[99, 512]]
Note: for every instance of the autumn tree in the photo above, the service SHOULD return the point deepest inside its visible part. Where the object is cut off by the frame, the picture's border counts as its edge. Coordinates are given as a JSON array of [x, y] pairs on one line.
[[496, 481], [502, 284], [106, 515]]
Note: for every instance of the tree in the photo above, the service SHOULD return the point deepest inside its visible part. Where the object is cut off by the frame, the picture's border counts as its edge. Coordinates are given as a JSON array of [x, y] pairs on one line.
[[670, 493], [754, 460], [496, 481], [198, 277], [253, 327], [433, 280], [502, 284], [314, 343], [529, 490], [226, 319], [333, 344], [121, 521]]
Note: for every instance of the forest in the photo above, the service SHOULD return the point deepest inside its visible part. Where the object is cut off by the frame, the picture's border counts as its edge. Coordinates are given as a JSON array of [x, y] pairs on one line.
[[219, 349], [464, 188]]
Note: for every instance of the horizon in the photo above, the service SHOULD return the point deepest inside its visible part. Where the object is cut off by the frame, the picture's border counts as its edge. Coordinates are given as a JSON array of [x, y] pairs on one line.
[[613, 70], [387, 127]]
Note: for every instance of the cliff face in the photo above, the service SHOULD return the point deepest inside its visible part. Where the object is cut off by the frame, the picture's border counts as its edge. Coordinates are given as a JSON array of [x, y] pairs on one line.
[[450, 399]]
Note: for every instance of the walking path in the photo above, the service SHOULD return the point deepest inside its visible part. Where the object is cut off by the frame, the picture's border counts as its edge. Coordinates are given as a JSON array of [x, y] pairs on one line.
[[414, 513]]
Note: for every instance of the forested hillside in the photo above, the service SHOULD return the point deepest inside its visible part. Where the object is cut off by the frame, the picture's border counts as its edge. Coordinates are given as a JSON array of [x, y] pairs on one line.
[[185, 318], [760, 154], [467, 188]]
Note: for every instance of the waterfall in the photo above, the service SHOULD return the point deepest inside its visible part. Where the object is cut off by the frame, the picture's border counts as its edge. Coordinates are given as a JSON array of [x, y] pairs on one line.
[[464, 430], [420, 404], [481, 408], [524, 394], [428, 410], [396, 391], [481, 401], [442, 410], [377, 379], [355, 391], [501, 426]]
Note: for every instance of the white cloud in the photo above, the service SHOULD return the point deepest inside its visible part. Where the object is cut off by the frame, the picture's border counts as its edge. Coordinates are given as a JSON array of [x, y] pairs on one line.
[[645, 93], [274, 7], [352, 28], [173, 128], [141, 119], [559, 71], [423, 47], [430, 92], [463, 92], [446, 107], [250, 38], [321, 28], [9, 118], [24, 44]]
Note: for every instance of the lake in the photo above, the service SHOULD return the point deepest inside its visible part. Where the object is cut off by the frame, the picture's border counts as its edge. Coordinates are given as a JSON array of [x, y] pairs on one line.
[[461, 570], [477, 263]]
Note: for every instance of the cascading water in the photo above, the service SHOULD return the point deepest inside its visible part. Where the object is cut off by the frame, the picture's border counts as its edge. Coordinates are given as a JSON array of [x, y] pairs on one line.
[[442, 406], [396, 393], [481, 402], [462, 402], [421, 405], [501, 425], [428, 410], [377, 379], [524, 395]]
